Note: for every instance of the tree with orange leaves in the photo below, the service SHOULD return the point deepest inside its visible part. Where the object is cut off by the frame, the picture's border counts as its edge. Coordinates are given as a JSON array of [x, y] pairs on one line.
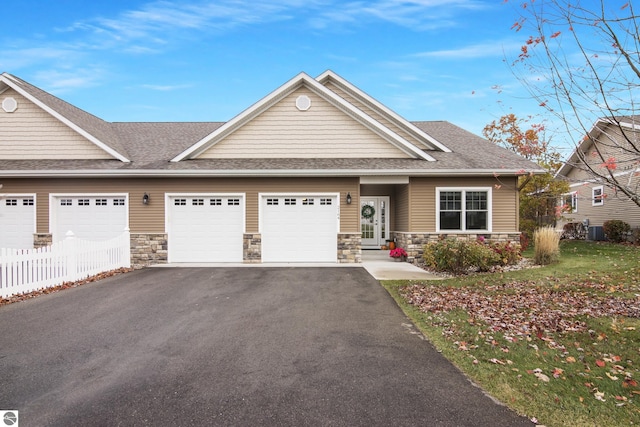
[[581, 62], [539, 194]]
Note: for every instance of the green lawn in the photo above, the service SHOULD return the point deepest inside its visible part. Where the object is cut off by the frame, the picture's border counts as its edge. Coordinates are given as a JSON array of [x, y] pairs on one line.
[[560, 343]]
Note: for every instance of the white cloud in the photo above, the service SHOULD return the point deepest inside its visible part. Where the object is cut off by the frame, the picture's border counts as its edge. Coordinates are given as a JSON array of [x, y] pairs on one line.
[[480, 50]]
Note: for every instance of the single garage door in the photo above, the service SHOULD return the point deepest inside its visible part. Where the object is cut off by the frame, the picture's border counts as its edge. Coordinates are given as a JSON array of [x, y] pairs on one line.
[[94, 217], [299, 228], [17, 222], [205, 228]]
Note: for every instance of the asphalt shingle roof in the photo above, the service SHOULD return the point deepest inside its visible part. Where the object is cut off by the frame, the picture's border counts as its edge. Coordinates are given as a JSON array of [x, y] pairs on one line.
[[149, 146]]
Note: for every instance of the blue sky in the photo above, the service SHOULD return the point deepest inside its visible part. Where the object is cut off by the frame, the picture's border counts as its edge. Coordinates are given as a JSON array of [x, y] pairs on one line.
[[203, 60]]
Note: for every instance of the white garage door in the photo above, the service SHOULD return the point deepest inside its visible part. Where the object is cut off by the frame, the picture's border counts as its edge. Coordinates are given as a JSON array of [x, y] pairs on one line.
[[299, 228], [205, 228], [95, 217], [17, 222]]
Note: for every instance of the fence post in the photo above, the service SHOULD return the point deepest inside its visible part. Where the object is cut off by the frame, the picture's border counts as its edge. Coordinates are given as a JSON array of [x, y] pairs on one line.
[[126, 248], [72, 256]]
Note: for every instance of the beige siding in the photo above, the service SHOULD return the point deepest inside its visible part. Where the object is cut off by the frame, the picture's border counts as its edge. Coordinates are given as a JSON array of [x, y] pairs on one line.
[[151, 218], [611, 144], [616, 206], [322, 131], [422, 210], [32, 133], [374, 114], [402, 203]]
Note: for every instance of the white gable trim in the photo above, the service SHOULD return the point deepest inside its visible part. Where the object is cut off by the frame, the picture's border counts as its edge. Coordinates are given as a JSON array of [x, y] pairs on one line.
[[8, 80], [301, 79], [382, 109]]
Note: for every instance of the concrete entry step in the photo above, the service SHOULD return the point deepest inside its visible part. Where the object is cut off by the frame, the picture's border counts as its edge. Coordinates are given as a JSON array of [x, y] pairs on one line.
[[382, 267]]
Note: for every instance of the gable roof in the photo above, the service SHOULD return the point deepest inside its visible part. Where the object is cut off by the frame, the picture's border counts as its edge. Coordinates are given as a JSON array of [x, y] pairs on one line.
[[595, 133], [330, 76], [298, 81], [89, 126], [172, 149]]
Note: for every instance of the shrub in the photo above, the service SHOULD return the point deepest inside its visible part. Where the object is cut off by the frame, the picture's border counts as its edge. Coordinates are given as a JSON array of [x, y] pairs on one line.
[[616, 230], [508, 253], [546, 244], [458, 257]]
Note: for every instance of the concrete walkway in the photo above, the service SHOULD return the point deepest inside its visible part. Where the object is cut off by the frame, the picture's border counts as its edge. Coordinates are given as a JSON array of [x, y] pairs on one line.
[[382, 267], [378, 263]]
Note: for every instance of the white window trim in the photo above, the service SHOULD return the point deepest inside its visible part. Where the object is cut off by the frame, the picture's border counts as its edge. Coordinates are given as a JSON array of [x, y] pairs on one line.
[[574, 201], [463, 219], [593, 196]]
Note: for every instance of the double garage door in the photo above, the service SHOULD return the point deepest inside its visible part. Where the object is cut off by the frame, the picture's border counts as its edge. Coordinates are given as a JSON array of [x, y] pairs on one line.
[[294, 228]]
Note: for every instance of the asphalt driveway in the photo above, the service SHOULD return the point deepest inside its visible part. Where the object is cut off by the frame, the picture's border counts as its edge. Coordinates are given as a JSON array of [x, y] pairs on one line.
[[230, 346]]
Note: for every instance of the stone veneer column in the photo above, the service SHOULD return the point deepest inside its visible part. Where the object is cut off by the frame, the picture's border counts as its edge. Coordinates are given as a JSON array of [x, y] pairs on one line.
[[148, 249], [349, 248], [40, 240], [252, 248]]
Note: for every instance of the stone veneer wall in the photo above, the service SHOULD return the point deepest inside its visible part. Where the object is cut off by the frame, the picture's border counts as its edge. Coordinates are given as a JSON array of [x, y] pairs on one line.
[[252, 248], [40, 240], [414, 243], [148, 249], [349, 248]]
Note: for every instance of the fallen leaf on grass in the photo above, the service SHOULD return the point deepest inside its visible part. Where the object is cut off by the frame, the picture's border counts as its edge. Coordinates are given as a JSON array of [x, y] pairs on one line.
[[611, 377], [542, 377], [571, 359], [496, 361], [557, 372], [600, 363], [599, 395]]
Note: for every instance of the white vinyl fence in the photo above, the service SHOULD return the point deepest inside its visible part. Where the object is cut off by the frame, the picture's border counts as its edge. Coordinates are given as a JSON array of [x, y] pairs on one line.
[[72, 259]]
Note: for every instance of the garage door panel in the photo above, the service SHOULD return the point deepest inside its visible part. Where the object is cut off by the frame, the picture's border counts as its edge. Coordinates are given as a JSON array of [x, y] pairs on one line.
[[299, 228], [90, 217], [17, 222], [206, 229]]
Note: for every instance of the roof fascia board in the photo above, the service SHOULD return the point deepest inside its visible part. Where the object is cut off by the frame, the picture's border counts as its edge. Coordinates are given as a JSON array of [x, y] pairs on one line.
[[280, 93], [5, 78], [260, 173], [573, 157], [381, 108]]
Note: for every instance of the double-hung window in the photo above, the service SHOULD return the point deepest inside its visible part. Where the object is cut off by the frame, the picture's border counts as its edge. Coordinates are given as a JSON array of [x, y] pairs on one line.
[[597, 196], [570, 202], [464, 209]]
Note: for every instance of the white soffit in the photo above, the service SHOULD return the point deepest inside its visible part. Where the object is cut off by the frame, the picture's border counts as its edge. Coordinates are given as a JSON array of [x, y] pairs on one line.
[[384, 180]]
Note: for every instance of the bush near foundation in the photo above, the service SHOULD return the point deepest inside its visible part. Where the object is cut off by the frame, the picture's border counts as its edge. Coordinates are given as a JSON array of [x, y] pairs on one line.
[[460, 256], [616, 230]]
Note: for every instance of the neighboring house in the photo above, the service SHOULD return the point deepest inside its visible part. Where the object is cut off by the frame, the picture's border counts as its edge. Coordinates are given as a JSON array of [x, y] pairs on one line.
[[284, 181], [590, 200]]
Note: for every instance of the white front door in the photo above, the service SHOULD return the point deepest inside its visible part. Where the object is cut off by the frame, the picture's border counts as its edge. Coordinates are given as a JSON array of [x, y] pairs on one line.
[[374, 221]]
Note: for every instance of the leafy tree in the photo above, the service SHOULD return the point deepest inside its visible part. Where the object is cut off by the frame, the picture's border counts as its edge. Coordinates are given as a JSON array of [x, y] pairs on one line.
[[581, 61], [538, 193]]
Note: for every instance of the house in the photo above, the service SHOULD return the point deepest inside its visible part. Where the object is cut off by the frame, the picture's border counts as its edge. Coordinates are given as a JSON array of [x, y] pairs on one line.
[[591, 200], [316, 171]]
